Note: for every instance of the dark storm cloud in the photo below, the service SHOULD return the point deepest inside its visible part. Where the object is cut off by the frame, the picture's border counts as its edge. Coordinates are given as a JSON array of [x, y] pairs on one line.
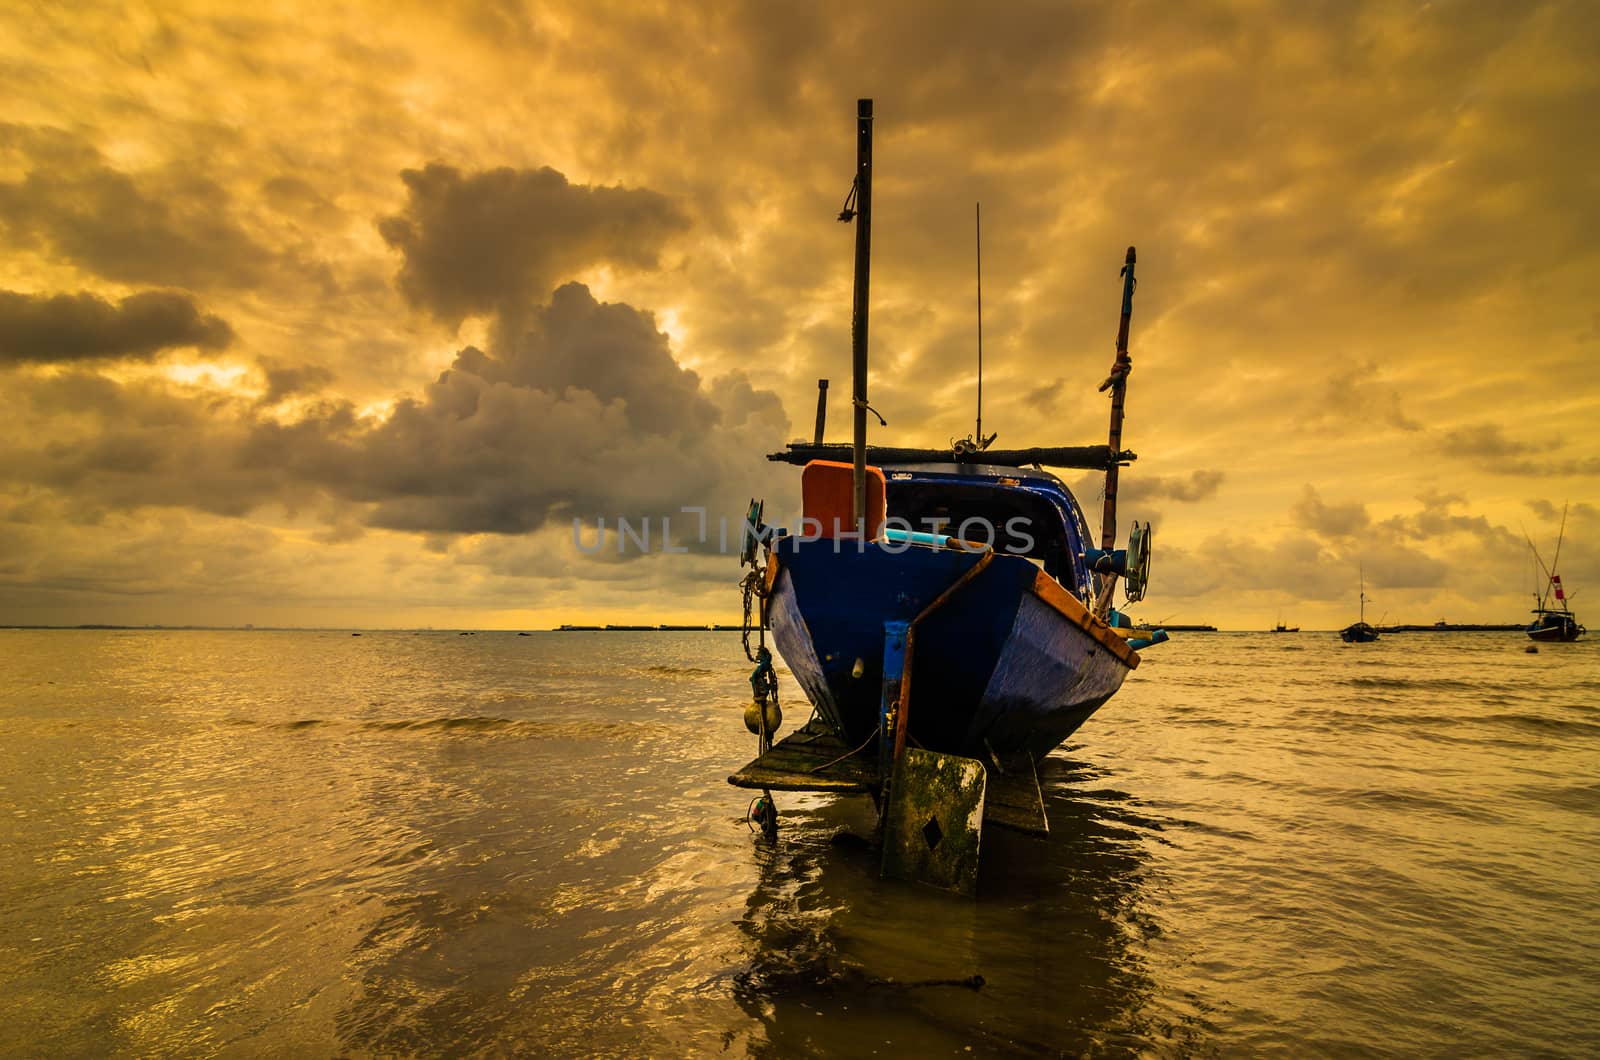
[[1330, 521], [1485, 442], [294, 196], [1134, 488], [1437, 520], [50, 329], [284, 380], [172, 226], [1487, 446], [587, 416], [1359, 392], [1552, 513], [122, 446], [486, 241], [1200, 485], [614, 352]]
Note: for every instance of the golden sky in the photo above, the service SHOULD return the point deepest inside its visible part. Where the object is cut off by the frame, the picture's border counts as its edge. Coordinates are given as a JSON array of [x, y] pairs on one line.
[[333, 314]]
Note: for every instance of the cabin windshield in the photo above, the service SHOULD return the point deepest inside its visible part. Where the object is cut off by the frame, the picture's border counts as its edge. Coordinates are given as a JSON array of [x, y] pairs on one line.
[[1011, 520]]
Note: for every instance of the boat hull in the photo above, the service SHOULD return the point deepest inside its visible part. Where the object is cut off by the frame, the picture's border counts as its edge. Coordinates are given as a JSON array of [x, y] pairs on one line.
[[1555, 628], [1360, 633], [1008, 661]]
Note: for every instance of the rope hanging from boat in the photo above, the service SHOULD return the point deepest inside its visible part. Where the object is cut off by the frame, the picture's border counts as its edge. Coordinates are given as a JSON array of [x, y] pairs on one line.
[[763, 716]]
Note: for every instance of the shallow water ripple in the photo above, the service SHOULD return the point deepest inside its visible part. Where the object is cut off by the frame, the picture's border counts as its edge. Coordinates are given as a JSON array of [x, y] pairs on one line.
[[308, 843]]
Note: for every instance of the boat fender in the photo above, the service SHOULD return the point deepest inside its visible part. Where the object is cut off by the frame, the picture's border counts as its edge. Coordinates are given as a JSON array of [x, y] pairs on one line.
[[752, 716], [1158, 637], [763, 699]]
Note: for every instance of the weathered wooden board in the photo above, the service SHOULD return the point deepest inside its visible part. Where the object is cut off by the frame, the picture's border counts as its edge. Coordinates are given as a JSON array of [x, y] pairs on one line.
[[811, 760], [1013, 799], [934, 827], [816, 760]]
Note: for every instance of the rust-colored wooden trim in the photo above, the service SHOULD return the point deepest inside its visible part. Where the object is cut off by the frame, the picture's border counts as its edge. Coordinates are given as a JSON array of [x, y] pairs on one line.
[[1047, 589], [772, 571]]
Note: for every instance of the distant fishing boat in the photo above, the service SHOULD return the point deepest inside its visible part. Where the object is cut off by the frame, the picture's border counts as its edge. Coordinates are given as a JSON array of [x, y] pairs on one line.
[[1359, 632], [1281, 628], [942, 662], [1553, 623]]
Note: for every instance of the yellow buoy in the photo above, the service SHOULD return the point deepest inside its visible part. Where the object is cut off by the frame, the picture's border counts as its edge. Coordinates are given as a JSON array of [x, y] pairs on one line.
[[752, 716]]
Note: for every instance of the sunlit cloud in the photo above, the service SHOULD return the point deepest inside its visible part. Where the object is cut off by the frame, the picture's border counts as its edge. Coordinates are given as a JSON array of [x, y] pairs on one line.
[[382, 299]]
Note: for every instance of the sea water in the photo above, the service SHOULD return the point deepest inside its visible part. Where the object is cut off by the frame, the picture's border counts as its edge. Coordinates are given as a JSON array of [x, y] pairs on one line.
[[313, 843]]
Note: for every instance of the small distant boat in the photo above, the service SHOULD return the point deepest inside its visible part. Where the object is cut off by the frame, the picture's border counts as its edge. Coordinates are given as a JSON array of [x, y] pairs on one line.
[[1553, 623], [1360, 632], [1281, 628]]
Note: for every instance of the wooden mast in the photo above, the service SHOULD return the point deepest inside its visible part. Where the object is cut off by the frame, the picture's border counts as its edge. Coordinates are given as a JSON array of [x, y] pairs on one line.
[[858, 320], [1117, 382]]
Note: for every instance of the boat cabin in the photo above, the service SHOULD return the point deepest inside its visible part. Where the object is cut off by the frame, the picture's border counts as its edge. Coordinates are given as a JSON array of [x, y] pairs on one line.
[[1017, 511]]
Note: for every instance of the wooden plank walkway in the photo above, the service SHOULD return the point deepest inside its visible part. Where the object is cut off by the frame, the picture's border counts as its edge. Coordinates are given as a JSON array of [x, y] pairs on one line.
[[814, 759]]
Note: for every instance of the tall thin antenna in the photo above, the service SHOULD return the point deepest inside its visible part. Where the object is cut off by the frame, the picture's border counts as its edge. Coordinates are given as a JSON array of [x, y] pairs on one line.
[[978, 219], [1561, 536]]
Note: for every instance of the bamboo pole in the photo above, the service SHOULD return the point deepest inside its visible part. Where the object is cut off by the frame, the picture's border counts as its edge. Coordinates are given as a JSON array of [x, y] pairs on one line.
[[1117, 382], [858, 321]]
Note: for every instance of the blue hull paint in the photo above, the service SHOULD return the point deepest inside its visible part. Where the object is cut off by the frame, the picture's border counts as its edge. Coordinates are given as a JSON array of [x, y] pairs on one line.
[[994, 666]]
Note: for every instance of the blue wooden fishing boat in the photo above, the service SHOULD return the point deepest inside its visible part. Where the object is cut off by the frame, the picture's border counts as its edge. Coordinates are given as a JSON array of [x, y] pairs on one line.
[[1005, 652], [946, 611]]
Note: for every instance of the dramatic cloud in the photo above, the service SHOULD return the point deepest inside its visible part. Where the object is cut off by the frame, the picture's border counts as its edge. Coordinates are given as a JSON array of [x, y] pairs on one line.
[[1487, 446], [1198, 486], [588, 416], [78, 327], [1368, 235], [482, 242], [171, 226], [1331, 521], [284, 380]]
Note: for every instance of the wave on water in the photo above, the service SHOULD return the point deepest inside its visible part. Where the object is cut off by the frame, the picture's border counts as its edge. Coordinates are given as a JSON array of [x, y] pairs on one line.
[[1579, 798], [473, 725], [1400, 799], [677, 671], [470, 723], [1543, 723], [1424, 684]]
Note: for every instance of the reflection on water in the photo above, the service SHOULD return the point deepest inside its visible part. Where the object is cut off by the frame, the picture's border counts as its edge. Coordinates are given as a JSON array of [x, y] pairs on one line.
[[1048, 961], [398, 844]]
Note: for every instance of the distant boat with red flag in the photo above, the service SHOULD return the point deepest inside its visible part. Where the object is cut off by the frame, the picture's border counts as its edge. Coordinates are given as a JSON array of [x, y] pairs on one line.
[[1553, 619]]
